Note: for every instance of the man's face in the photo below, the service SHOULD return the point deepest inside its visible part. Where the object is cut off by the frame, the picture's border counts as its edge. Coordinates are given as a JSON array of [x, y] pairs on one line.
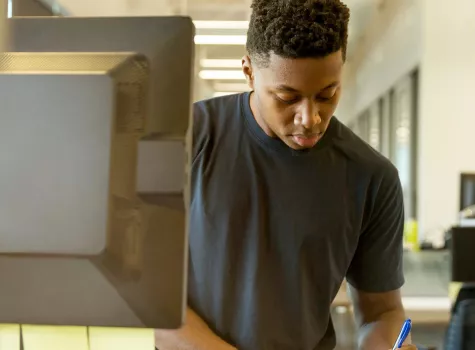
[[294, 99]]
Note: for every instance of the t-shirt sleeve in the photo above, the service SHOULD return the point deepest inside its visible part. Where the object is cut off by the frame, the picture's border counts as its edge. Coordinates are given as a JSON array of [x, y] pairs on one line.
[[377, 265], [200, 129]]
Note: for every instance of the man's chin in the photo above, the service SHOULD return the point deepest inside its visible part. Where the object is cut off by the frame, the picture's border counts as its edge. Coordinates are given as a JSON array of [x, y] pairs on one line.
[[295, 146]]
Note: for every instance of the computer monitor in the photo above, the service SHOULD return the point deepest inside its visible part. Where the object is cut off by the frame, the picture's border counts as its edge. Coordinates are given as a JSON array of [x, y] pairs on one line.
[[467, 190], [168, 43], [78, 244], [462, 257]]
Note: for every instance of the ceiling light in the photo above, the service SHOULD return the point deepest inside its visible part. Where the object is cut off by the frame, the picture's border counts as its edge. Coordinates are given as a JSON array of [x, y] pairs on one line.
[[224, 93], [221, 63], [220, 39], [221, 75], [221, 24]]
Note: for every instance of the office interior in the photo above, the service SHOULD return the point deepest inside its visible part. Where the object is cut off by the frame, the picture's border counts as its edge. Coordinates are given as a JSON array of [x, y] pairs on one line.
[[408, 92]]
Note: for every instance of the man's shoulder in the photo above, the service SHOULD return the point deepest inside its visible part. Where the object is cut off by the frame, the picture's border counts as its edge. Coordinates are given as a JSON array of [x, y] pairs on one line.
[[361, 155], [215, 119], [217, 108]]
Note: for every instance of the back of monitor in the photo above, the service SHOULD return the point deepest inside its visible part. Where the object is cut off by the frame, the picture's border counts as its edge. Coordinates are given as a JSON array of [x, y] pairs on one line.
[[78, 244], [167, 42]]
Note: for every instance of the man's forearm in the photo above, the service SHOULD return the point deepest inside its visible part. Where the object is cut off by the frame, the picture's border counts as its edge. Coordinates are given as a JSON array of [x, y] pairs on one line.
[[381, 334], [194, 335]]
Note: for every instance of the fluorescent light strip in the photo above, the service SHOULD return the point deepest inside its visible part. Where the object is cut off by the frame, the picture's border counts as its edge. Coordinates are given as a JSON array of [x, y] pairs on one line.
[[221, 24], [221, 75], [9, 9], [220, 39], [221, 63], [224, 93]]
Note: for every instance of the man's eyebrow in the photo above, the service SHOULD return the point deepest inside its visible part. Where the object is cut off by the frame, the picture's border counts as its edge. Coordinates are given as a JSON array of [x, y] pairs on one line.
[[286, 88], [331, 86]]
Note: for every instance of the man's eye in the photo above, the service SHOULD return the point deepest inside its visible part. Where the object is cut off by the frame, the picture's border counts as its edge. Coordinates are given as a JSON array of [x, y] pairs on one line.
[[324, 98], [287, 99]]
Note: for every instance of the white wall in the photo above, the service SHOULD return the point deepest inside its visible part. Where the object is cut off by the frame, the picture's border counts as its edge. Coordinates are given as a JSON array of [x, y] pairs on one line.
[[345, 110], [447, 108], [389, 57], [437, 36]]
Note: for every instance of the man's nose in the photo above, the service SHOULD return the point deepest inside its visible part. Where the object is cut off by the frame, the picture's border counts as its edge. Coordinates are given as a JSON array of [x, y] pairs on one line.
[[309, 116]]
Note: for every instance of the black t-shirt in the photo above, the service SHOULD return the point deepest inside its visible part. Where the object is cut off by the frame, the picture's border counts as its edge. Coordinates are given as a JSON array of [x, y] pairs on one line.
[[274, 231]]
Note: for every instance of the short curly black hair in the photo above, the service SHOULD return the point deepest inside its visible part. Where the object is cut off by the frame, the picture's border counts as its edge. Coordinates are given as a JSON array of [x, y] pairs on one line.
[[297, 29]]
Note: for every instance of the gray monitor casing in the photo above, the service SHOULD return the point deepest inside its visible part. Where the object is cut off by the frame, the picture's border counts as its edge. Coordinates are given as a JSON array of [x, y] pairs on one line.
[[80, 244], [167, 42]]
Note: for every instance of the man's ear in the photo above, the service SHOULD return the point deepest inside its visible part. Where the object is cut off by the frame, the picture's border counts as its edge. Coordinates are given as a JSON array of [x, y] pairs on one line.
[[248, 71]]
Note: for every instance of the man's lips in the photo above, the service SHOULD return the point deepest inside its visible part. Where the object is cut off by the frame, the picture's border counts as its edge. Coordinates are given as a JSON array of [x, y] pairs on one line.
[[306, 141]]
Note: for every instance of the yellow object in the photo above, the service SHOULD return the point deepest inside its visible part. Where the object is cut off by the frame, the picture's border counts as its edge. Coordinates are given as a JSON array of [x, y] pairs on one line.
[[454, 289], [9, 337], [411, 239], [75, 338], [54, 338], [121, 339]]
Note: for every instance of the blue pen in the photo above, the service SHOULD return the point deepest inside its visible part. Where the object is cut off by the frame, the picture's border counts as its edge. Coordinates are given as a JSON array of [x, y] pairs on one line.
[[405, 330]]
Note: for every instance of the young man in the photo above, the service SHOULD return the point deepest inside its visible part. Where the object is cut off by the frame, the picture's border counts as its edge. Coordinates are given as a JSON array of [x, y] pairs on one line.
[[287, 201]]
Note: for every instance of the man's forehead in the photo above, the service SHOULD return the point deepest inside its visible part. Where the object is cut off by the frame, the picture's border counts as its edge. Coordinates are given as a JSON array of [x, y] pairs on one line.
[[316, 87], [304, 73], [327, 68]]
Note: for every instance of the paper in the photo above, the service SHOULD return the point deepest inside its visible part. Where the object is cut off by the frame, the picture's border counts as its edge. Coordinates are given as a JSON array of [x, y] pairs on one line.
[[454, 288], [54, 338], [121, 339], [75, 338], [9, 337]]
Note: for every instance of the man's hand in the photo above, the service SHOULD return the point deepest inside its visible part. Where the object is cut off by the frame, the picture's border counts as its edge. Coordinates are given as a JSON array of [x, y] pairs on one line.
[[408, 347]]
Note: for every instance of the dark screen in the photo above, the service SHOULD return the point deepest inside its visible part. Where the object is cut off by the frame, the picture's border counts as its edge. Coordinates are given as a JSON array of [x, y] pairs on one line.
[[467, 191]]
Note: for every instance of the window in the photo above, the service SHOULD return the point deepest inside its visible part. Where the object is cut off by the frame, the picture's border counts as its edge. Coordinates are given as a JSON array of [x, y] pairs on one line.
[[403, 138], [374, 126]]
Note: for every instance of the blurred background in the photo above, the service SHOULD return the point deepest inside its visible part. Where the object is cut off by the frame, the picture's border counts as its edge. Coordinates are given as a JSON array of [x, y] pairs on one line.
[[409, 88]]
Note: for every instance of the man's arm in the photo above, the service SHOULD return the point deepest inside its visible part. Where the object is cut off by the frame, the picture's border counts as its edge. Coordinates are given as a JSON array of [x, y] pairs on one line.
[[194, 335], [379, 318], [375, 275]]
